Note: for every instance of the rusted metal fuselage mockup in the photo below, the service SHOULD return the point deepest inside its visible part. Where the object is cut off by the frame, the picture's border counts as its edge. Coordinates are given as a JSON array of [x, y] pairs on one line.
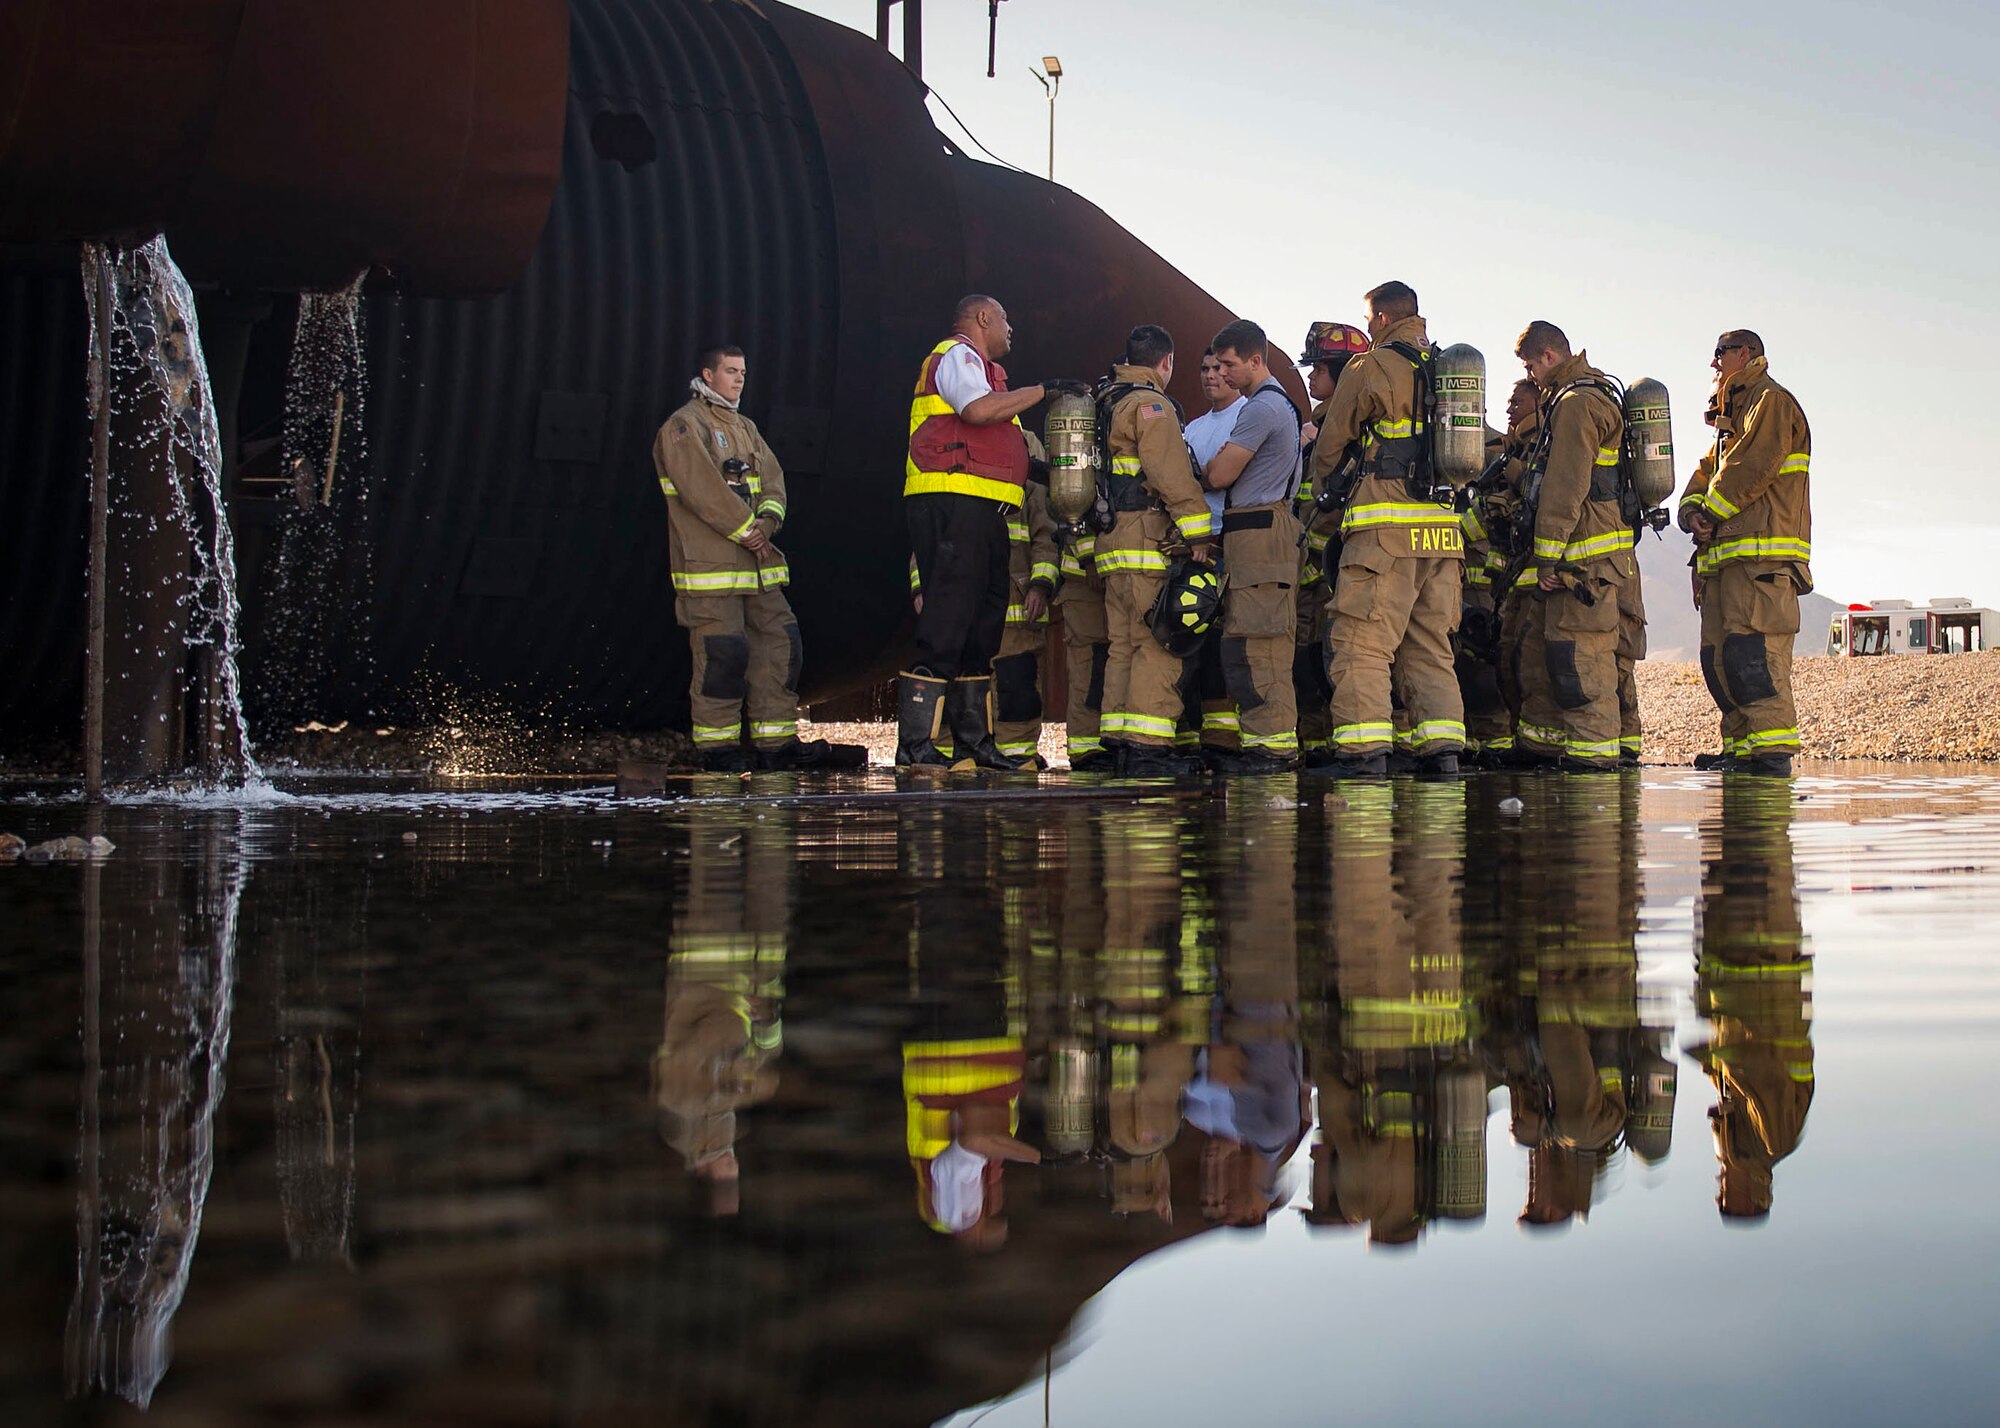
[[559, 206]]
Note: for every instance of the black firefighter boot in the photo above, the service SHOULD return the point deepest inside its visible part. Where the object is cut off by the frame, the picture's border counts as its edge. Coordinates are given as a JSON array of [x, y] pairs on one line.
[[920, 702], [813, 754], [968, 709]]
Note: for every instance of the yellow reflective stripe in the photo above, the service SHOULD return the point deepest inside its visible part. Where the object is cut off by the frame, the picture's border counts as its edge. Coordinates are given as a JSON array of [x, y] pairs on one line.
[[1017, 532], [718, 733], [1478, 575], [1394, 430], [667, 488], [1432, 730], [1084, 744], [1604, 749], [1317, 540], [1547, 549], [1220, 720], [775, 729], [1375, 732], [1630, 743], [1755, 548], [958, 483], [1286, 742], [1541, 734], [1111, 560], [742, 530], [1765, 738], [1043, 570], [1124, 466], [1148, 724], [1017, 614], [1019, 748], [1194, 527], [1396, 513], [771, 508], [1720, 505], [1469, 522], [916, 581], [1529, 577], [1797, 464], [713, 582], [923, 408], [772, 576], [1598, 545], [1607, 456], [1505, 741]]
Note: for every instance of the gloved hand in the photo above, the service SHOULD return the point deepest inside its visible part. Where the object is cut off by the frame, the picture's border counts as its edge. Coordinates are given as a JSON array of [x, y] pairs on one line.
[[1068, 386]]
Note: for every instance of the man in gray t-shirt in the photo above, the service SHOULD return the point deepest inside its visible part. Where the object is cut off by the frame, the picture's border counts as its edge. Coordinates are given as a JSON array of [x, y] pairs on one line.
[[1257, 469]]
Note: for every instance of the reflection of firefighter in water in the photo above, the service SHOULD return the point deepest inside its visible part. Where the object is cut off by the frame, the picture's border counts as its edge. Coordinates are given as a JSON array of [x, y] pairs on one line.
[[719, 1051], [965, 1057], [1581, 1069], [1402, 1109], [1751, 983], [1247, 1094]]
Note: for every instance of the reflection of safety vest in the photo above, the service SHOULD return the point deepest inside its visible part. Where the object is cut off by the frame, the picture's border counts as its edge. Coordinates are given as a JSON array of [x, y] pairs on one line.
[[949, 453]]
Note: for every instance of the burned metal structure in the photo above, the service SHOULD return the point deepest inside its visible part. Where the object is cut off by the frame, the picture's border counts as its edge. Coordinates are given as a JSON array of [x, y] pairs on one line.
[[555, 206]]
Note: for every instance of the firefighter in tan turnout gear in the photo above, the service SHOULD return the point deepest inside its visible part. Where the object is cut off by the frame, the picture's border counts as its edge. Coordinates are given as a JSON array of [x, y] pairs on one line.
[[1749, 508], [1329, 347], [1396, 594], [1581, 556], [1160, 508], [725, 496]]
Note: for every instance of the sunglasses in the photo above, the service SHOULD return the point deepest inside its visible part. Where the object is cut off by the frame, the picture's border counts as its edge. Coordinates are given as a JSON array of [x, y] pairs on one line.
[[1729, 347]]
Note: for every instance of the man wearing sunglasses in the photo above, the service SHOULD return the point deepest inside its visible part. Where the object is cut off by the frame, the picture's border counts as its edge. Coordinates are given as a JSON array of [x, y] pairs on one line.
[[1749, 509]]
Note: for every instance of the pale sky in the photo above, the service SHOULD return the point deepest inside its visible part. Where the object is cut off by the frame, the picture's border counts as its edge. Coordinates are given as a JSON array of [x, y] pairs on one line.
[[1826, 174]]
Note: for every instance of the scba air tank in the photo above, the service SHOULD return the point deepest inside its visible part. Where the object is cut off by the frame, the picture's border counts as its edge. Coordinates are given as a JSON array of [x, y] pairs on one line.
[[1458, 443], [1649, 442], [1070, 434]]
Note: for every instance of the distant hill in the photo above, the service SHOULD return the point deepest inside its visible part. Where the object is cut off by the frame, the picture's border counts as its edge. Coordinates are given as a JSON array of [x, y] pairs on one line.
[[1673, 627]]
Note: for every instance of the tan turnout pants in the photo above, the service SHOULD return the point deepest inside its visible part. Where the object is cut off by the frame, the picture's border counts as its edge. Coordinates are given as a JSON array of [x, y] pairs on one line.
[[746, 649], [1749, 618], [1631, 649], [1260, 550], [1142, 682], [1086, 652], [1401, 609], [1017, 689], [1569, 664]]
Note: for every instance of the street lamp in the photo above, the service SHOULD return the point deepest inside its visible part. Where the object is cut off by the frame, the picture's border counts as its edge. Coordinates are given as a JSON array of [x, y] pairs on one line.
[[1050, 76]]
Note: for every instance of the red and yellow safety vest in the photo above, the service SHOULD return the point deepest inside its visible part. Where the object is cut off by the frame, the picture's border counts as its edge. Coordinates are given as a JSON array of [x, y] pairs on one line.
[[949, 453]]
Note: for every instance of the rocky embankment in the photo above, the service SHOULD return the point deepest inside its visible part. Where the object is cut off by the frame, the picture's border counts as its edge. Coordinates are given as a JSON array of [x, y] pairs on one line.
[[1915, 707]]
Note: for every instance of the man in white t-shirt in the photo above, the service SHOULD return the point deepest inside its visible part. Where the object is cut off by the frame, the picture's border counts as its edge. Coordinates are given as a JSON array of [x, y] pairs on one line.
[[1209, 706]]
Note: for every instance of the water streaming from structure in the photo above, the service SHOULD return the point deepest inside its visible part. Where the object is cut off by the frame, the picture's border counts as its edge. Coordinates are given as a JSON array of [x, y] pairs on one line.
[[156, 356], [324, 450]]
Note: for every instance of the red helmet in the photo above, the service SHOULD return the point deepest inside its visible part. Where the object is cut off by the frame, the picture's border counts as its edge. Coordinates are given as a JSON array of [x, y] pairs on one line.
[[1332, 341]]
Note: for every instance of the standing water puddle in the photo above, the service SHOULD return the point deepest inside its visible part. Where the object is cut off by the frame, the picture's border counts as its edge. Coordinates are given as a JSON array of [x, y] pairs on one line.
[[1657, 1101]]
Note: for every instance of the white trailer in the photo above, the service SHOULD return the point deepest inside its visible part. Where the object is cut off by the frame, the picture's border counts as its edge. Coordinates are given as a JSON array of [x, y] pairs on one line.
[[1949, 624]]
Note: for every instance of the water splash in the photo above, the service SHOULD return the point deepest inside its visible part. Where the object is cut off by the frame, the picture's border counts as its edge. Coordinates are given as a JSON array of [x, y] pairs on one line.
[[156, 355]]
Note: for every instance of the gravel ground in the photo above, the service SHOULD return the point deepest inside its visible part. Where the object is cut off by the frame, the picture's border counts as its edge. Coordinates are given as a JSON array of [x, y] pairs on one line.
[[1922, 708]]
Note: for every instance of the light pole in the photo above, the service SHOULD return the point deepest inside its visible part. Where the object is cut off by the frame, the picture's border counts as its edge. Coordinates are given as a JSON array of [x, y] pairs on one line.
[[1050, 76]]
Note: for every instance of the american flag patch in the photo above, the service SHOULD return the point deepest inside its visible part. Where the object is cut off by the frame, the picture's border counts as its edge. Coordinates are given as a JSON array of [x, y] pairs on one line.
[[680, 430], [1151, 410]]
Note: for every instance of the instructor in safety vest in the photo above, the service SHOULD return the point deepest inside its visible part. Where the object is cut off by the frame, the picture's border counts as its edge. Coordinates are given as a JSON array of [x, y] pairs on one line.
[[967, 466], [1749, 508]]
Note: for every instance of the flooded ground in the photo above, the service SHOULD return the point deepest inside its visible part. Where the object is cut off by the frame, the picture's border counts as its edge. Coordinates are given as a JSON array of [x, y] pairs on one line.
[[1662, 1098]]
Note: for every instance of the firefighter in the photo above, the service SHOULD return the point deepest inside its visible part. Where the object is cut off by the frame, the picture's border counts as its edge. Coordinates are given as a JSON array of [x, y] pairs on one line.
[[725, 494], [1513, 603], [1490, 703], [724, 1028], [1630, 650], [967, 465], [1031, 585], [1581, 555], [1751, 984], [1257, 470], [1160, 507], [1328, 347], [1209, 710], [1749, 509], [1397, 589]]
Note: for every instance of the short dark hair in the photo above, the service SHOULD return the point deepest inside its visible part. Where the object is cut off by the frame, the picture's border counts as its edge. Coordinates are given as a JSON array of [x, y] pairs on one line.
[[1541, 335], [1742, 337], [1146, 344], [712, 355], [1392, 300], [969, 306], [1529, 383], [1243, 337]]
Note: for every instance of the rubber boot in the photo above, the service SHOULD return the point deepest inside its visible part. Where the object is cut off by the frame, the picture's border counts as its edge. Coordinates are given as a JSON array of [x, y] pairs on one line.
[[1353, 766], [1247, 763], [813, 754], [1769, 765], [1096, 761], [1712, 761], [920, 704], [968, 709], [1439, 767], [1151, 761], [730, 758], [1402, 761]]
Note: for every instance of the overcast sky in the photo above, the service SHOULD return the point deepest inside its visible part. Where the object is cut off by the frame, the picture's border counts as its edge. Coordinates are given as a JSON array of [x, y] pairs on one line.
[[1646, 177]]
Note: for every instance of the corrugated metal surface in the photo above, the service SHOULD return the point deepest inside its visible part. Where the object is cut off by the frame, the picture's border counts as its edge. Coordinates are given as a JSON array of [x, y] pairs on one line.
[[730, 173]]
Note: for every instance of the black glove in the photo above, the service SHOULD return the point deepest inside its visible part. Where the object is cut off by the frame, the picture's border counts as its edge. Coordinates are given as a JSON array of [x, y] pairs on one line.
[[1068, 386]]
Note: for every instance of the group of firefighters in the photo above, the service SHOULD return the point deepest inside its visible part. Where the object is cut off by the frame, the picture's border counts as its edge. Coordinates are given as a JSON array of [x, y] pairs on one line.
[[1253, 593]]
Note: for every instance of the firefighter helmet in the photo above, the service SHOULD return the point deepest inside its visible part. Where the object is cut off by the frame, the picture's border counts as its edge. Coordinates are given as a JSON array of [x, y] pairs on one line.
[[1332, 342], [1188, 604]]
